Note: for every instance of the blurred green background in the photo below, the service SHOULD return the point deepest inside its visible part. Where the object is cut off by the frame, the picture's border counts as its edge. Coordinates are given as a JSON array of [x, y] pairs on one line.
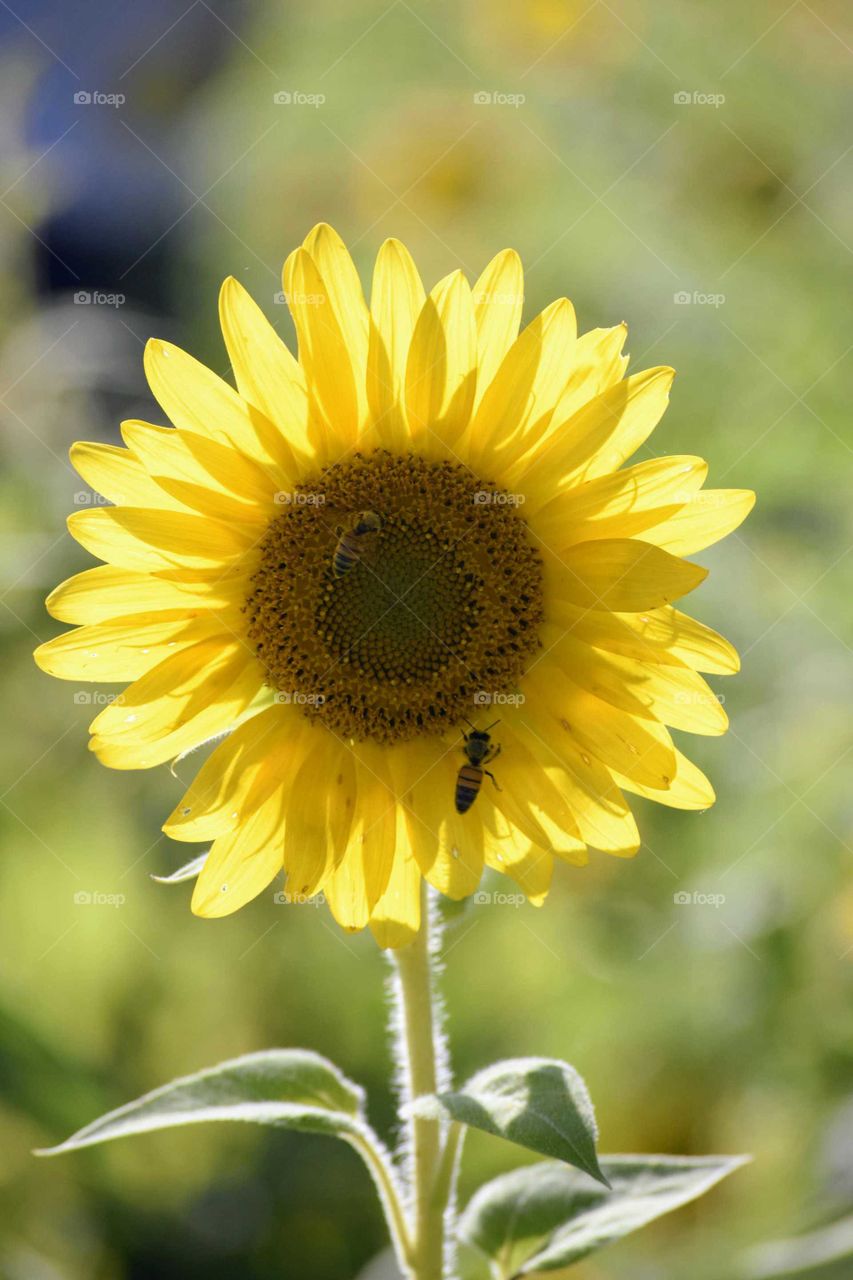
[[657, 150]]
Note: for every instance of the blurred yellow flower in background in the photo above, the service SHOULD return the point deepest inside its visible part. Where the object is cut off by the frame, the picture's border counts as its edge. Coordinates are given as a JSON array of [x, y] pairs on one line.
[[421, 526]]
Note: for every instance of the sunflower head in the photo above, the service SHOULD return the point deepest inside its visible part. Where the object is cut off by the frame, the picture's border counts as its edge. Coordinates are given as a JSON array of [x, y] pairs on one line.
[[379, 565]]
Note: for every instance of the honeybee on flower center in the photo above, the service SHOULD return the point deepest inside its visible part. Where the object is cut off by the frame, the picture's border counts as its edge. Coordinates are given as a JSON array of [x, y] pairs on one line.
[[353, 541]]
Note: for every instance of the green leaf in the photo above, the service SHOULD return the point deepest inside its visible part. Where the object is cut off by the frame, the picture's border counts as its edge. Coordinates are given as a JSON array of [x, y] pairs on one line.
[[290, 1088], [822, 1250], [538, 1103], [546, 1216]]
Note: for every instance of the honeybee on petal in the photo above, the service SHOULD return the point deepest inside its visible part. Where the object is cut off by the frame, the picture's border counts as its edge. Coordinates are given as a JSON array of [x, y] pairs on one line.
[[478, 750], [354, 540]]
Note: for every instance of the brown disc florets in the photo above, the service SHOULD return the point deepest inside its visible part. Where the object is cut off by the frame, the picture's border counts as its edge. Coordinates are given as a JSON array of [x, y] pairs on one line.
[[414, 624]]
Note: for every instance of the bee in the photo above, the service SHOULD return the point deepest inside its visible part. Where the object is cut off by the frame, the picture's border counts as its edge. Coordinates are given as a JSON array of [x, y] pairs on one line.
[[351, 546], [478, 750]]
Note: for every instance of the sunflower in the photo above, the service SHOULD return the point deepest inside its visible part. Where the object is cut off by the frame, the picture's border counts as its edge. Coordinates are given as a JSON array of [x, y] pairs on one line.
[[351, 565]]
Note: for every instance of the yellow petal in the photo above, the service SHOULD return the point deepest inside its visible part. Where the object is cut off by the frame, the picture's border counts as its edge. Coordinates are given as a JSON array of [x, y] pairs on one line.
[[242, 863], [187, 699], [621, 574], [518, 404], [597, 801], [707, 517], [239, 775], [104, 592], [596, 439], [140, 538], [533, 787], [322, 353], [639, 749], [321, 812], [529, 865], [690, 788], [457, 869], [573, 852], [267, 375], [361, 876], [126, 647], [498, 301], [447, 846], [346, 298], [597, 364], [603, 817], [528, 796], [674, 695], [396, 301], [194, 399], [119, 476], [396, 918], [659, 635], [441, 371], [171, 455], [619, 505]]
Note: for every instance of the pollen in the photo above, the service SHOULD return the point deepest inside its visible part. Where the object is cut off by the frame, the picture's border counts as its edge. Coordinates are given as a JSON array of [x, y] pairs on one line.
[[444, 599]]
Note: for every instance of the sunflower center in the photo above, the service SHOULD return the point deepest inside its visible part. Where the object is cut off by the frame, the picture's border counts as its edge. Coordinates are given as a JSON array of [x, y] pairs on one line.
[[395, 596]]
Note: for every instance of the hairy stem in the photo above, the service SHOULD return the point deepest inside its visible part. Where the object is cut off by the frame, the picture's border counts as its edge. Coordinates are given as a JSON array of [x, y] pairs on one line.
[[422, 1068]]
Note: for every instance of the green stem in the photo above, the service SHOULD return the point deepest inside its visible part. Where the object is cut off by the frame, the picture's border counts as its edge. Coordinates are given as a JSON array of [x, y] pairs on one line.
[[421, 1039]]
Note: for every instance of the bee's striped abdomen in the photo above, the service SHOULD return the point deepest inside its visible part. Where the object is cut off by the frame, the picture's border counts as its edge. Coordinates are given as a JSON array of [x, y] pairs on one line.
[[468, 782], [346, 555]]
